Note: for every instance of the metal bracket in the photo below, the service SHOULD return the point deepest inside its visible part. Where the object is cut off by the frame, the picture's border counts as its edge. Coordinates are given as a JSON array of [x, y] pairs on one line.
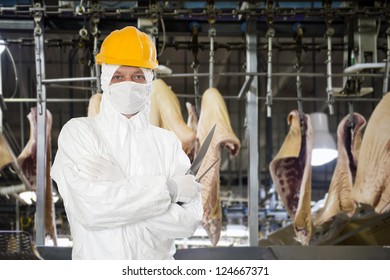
[[212, 34], [41, 130], [329, 87], [270, 34], [195, 64], [361, 55], [298, 38], [245, 86]]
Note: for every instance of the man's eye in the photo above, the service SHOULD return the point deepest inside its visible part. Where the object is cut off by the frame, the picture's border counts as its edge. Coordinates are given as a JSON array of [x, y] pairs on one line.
[[117, 77], [139, 78]]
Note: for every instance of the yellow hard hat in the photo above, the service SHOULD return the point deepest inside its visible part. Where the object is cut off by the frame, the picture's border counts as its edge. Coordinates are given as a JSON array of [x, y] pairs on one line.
[[128, 46]]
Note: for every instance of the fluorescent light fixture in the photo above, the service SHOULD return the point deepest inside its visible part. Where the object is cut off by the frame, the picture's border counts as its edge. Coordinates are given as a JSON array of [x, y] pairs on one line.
[[324, 146], [2, 46], [30, 197], [163, 70]]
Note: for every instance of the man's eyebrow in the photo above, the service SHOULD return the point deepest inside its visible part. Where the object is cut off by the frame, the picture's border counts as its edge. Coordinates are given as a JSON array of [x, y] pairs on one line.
[[118, 72]]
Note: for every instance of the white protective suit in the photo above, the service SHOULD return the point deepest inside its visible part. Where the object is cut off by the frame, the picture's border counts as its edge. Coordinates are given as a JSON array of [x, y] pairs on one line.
[[132, 218]]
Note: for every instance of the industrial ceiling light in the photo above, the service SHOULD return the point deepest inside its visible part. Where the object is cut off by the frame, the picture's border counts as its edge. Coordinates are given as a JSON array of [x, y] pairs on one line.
[[324, 146], [30, 197], [163, 70]]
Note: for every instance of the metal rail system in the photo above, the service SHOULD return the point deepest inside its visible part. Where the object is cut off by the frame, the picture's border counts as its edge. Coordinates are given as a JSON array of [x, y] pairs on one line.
[[253, 14], [154, 10]]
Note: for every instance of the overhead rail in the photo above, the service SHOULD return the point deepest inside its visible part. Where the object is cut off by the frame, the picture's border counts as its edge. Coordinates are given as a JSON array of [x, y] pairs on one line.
[[244, 89], [187, 45], [280, 13], [276, 74]]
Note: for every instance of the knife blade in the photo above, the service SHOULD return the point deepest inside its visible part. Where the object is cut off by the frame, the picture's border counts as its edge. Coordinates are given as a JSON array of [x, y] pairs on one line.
[[202, 153], [208, 169]]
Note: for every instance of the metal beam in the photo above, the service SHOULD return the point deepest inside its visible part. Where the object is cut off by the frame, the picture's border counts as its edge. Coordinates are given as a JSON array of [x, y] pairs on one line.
[[16, 24], [252, 119], [41, 132]]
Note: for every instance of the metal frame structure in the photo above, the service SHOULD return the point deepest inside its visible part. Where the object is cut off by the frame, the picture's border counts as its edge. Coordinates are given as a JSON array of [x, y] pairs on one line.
[[41, 129], [252, 118], [253, 15]]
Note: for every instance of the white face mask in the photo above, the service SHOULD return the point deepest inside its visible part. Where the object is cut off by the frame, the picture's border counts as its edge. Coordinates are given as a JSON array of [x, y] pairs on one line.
[[128, 97]]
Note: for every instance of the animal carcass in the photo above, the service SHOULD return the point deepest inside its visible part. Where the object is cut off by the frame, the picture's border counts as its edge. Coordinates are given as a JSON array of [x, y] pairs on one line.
[[214, 111], [291, 174], [192, 120], [5, 154], [339, 197], [165, 112], [372, 185], [94, 104], [192, 123], [27, 162]]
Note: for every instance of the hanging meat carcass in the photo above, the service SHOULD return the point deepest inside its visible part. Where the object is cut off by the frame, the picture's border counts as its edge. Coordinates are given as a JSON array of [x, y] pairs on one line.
[[94, 104], [214, 111], [291, 174], [192, 120], [5, 154], [165, 112], [27, 162], [192, 123], [339, 199], [372, 185]]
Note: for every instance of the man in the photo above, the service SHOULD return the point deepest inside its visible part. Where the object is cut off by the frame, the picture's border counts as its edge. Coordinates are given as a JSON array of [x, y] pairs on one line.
[[120, 177]]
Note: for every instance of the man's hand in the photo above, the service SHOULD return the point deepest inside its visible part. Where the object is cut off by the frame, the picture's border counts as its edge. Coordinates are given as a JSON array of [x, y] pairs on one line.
[[95, 168], [183, 188]]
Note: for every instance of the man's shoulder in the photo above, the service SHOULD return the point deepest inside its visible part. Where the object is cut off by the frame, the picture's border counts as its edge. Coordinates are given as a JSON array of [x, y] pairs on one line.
[[78, 122], [77, 125], [164, 133]]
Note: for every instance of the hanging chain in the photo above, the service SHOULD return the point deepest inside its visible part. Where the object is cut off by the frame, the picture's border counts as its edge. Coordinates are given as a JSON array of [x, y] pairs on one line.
[[195, 63], [39, 57], [329, 35], [298, 66], [270, 34]]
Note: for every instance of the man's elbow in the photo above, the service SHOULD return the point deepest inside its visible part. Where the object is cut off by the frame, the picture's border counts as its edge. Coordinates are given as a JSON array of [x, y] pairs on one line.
[[191, 227], [90, 222]]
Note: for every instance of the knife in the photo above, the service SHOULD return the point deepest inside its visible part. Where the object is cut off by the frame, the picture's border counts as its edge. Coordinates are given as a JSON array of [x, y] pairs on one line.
[[208, 169], [202, 153]]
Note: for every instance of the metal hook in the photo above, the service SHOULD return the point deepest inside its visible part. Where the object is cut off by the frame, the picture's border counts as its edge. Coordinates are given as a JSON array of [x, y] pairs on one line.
[[80, 9], [83, 32]]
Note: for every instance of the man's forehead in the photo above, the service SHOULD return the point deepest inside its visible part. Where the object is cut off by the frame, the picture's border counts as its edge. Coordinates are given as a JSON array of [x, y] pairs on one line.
[[128, 69]]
